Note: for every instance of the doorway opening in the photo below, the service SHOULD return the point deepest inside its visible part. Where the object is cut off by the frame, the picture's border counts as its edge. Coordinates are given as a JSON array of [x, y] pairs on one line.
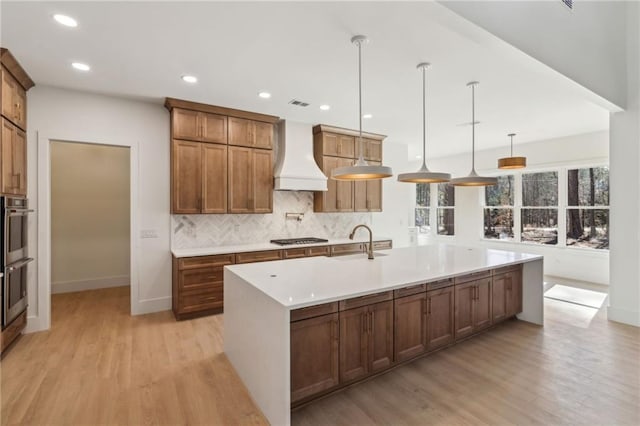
[[90, 226]]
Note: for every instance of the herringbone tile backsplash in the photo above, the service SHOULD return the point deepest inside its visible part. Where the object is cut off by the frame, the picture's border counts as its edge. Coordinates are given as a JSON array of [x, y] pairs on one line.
[[194, 231]]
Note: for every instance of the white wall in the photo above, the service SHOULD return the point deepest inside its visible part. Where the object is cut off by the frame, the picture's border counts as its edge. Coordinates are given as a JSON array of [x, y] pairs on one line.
[[583, 44], [90, 235], [624, 300], [81, 117], [578, 150]]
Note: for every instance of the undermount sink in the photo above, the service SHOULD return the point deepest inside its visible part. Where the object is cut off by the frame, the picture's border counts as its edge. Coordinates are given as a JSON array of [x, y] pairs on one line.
[[360, 256]]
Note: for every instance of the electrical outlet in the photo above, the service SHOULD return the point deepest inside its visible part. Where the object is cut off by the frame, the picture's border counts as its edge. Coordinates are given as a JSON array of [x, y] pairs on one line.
[[148, 233]]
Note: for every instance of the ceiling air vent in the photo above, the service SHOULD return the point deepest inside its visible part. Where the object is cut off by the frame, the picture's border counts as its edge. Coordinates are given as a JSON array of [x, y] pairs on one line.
[[298, 103], [568, 3]]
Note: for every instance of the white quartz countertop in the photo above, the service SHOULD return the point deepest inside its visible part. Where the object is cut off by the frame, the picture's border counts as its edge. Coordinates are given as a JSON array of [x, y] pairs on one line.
[[241, 248], [297, 283]]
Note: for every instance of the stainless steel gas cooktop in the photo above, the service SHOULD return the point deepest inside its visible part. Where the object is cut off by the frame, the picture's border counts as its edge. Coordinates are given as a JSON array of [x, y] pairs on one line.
[[305, 240]]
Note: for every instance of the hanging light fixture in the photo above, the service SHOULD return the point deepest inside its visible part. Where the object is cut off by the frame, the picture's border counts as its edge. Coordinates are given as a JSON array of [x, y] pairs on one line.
[[424, 175], [474, 179], [512, 162], [361, 170]]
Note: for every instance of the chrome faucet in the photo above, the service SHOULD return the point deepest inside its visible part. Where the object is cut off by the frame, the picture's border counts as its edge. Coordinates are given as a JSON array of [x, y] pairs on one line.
[[353, 232]]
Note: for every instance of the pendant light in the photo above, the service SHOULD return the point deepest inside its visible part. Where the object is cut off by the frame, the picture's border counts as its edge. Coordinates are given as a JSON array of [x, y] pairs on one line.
[[361, 170], [512, 162], [474, 179], [424, 175]]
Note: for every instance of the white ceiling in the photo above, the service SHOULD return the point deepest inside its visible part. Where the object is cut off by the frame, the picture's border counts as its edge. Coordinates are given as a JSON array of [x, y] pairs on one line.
[[302, 50]]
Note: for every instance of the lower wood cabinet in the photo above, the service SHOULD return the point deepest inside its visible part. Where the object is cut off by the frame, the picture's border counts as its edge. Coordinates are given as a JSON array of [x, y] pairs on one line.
[[410, 339], [472, 307], [506, 295], [314, 356], [440, 318], [366, 340]]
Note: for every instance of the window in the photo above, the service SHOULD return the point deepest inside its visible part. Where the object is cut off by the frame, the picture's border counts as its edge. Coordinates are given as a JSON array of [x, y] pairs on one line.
[[423, 201], [539, 213], [588, 207], [499, 207], [446, 208]]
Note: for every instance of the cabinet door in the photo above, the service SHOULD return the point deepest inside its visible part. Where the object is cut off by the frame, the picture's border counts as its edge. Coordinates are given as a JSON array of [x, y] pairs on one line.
[[263, 135], [8, 176], [381, 336], [19, 150], [482, 306], [214, 178], [344, 189], [513, 293], [360, 202], [464, 300], [326, 201], [186, 179], [240, 180], [440, 317], [499, 296], [347, 146], [374, 192], [8, 89], [200, 278], [314, 356], [410, 326], [20, 106], [213, 127], [354, 361], [185, 124], [262, 198], [372, 150], [241, 132]]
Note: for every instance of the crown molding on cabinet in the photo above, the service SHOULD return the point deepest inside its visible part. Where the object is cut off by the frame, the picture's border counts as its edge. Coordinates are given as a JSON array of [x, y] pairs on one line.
[[171, 103], [12, 65]]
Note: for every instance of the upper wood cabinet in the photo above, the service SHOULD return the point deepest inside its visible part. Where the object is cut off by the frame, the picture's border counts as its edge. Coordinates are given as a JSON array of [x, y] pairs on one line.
[[250, 180], [209, 177], [14, 159], [198, 126], [336, 147], [14, 100], [250, 133]]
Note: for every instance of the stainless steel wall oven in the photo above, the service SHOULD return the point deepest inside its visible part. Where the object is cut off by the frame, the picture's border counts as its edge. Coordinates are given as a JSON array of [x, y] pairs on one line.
[[15, 258]]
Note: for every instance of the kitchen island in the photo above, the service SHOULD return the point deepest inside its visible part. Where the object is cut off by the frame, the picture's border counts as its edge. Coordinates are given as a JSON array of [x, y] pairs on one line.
[[357, 295]]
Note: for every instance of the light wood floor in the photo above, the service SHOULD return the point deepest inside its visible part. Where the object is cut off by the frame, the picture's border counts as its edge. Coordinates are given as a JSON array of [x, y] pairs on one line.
[[98, 365]]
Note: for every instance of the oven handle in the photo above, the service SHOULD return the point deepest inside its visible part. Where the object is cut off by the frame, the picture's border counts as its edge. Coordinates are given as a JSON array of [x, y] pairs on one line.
[[22, 211], [19, 264]]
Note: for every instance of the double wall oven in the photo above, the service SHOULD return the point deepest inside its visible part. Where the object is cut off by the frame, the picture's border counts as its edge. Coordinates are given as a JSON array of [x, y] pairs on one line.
[[14, 257]]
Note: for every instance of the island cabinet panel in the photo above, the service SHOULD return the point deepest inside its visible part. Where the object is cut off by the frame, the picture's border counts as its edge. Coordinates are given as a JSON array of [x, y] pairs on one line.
[[410, 326], [380, 336], [472, 307], [354, 343], [314, 356], [506, 295], [440, 318]]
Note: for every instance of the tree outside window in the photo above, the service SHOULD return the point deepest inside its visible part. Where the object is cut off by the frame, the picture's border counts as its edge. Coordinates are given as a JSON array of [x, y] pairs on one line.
[[539, 213], [423, 200], [446, 209], [588, 207], [499, 208]]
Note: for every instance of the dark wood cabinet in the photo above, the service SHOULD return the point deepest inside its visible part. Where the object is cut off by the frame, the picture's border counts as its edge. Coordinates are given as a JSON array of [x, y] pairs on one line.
[[506, 294], [250, 180], [314, 356], [336, 147], [440, 318], [410, 325], [472, 307]]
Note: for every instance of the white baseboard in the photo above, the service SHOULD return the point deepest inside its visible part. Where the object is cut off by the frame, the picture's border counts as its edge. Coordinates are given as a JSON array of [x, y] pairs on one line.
[[624, 316], [92, 284], [149, 306]]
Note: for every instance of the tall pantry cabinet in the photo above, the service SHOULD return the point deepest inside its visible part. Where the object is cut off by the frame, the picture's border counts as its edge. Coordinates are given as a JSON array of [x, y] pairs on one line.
[[221, 159]]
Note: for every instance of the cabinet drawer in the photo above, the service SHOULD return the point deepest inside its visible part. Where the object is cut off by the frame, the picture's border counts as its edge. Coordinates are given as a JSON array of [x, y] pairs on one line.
[[347, 249], [313, 311], [380, 245], [294, 253], [439, 284], [472, 277], [204, 261], [318, 251], [369, 299], [200, 278], [195, 301], [258, 256], [408, 291], [510, 268], [13, 330]]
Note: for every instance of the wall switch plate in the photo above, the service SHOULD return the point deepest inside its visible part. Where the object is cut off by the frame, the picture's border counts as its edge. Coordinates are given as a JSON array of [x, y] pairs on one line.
[[148, 233]]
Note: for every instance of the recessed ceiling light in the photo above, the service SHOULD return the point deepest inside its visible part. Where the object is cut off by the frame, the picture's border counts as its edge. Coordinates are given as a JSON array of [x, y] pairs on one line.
[[80, 66], [367, 116], [65, 20], [264, 95], [325, 107], [189, 78]]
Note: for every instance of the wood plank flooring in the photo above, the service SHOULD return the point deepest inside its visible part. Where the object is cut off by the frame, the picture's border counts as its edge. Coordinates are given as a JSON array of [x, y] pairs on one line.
[[98, 365]]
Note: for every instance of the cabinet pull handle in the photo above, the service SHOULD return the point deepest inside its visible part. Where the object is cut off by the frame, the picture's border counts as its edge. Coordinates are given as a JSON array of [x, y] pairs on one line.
[[370, 322], [429, 306]]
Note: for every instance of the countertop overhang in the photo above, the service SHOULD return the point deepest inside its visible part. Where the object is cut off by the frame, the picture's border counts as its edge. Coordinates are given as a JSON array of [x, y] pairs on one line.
[[298, 283]]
